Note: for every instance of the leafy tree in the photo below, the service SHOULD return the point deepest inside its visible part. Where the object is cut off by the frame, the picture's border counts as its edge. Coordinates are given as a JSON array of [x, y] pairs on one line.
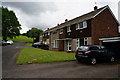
[[34, 33], [10, 24]]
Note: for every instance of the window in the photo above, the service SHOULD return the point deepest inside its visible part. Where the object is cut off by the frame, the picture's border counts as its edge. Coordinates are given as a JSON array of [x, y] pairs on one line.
[[77, 43], [48, 33], [81, 42], [45, 34], [55, 44], [81, 25], [54, 32], [93, 48], [85, 41], [77, 27], [47, 41], [84, 24], [69, 45], [61, 31], [68, 29]]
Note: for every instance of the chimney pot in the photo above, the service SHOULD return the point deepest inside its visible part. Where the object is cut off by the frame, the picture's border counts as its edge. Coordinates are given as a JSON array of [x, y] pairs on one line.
[[95, 8], [66, 20]]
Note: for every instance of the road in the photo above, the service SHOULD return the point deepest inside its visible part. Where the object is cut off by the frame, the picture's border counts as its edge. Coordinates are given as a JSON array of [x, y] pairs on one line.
[[71, 69]]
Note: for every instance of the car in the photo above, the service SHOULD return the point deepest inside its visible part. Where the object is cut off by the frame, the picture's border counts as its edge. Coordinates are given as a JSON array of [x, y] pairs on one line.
[[94, 53], [40, 45], [9, 42], [3, 43], [36, 44]]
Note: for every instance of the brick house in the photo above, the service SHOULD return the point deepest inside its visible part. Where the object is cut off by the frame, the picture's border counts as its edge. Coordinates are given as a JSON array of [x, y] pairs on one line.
[[82, 30]]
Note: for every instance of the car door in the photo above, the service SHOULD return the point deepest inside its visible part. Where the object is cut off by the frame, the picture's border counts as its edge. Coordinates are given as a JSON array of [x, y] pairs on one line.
[[94, 51], [103, 52]]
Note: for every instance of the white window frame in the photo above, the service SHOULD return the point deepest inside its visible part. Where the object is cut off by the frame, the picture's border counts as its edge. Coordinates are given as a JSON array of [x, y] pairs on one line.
[[85, 39], [77, 43], [69, 45], [48, 33], [68, 29], [84, 25], [48, 41], [77, 26], [61, 31], [55, 44]]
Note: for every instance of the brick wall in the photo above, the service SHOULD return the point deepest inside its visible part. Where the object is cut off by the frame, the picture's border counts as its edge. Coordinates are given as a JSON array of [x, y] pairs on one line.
[[103, 25]]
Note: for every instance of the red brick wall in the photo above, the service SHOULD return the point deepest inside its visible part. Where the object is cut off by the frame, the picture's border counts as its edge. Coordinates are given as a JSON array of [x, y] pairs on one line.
[[103, 25]]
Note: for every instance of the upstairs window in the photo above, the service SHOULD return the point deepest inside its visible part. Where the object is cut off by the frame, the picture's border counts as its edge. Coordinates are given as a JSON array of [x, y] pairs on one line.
[[81, 25], [61, 31], [48, 33], [54, 32], [68, 29]]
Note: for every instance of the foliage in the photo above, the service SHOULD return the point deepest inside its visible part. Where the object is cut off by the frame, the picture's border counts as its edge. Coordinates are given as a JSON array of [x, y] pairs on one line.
[[10, 24], [36, 55], [21, 39], [34, 33]]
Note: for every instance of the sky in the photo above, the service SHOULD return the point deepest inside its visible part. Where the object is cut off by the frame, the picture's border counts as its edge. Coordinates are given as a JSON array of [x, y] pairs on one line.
[[44, 14]]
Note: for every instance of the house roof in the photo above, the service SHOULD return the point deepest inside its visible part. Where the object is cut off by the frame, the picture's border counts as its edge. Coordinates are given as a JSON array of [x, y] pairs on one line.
[[81, 18]]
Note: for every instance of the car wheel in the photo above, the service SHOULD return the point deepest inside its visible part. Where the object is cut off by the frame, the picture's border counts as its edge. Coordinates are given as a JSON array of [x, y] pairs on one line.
[[78, 60], [112, 59], [93, 61]]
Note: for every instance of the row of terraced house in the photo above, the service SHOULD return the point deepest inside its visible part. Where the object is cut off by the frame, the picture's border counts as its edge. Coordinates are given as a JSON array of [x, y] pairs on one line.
[[83, 30]]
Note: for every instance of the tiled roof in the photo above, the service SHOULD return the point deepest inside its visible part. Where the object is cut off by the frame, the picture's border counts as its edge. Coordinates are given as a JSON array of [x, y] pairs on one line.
[[81, 18]]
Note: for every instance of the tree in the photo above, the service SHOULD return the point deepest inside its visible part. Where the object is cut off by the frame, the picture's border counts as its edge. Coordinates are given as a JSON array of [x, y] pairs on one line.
[[10, 24], [34, 33]]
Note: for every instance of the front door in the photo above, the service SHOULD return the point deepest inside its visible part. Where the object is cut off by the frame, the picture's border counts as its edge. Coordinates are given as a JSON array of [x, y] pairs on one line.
[[69, 45]]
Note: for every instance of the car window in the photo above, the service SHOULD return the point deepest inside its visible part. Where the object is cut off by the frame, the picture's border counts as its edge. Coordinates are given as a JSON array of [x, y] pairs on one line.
[[93, 48], [83, 48], [103, 48]]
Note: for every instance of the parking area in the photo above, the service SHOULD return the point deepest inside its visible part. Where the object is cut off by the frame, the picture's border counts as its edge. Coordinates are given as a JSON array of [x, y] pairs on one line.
[[70, 69]]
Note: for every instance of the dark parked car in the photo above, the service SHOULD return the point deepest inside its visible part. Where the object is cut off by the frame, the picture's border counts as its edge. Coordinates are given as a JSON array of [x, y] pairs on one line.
[[93, 53], [40, 45]]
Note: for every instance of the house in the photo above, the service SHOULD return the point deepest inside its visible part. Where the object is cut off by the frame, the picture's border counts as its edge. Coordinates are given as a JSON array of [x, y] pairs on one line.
[[83, 30]]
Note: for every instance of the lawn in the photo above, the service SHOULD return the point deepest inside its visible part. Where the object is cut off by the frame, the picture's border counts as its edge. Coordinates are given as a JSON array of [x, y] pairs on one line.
[[29, 44], [36, 55], [21, 39]]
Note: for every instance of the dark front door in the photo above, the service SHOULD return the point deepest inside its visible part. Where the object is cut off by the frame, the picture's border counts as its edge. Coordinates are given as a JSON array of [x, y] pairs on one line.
[[61, 45]]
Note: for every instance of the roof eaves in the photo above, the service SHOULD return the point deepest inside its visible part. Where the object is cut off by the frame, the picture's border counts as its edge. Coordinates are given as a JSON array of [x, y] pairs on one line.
[[100, 11]]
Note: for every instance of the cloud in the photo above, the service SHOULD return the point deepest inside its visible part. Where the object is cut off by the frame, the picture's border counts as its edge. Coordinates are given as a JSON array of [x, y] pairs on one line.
[[32, 14], [32, 7], [45, 15]]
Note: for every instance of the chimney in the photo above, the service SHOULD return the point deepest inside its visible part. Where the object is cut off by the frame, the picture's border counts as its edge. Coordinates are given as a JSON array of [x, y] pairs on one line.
[[47, 28], [66, 20], [95, 8], [57, 24]]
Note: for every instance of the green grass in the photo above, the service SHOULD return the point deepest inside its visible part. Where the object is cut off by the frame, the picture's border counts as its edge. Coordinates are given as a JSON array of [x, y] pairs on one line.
[[29, 44], [0, 37], [21, 39], [36, 55]]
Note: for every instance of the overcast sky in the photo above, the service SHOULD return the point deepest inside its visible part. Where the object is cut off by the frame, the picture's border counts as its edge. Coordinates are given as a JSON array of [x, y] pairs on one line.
[[48, 13]]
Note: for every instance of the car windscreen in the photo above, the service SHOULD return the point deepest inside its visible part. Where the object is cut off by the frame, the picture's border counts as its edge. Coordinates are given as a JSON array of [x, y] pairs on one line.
[[84, 48]]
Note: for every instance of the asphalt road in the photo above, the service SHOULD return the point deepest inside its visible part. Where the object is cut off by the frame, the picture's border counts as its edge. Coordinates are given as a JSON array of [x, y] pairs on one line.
[[71, 69]]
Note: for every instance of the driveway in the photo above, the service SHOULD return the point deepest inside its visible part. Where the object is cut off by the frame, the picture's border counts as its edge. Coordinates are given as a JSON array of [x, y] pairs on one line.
[[71, 69]]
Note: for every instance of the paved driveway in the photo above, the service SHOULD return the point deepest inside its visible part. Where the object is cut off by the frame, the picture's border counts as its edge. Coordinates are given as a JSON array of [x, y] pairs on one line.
[[70, 69]]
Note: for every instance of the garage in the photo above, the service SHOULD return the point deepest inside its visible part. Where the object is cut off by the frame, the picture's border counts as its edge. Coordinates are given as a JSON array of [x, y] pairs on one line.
[[112, 44]]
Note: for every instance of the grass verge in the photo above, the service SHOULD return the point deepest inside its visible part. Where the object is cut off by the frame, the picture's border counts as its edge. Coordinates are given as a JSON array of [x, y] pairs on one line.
[[21, 39], [28, 44], [36, 55]]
